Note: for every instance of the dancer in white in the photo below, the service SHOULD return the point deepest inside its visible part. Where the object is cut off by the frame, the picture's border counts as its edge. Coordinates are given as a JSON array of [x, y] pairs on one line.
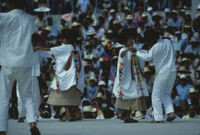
[[130, 86], [68, 84], [162, 54], [16, 59]]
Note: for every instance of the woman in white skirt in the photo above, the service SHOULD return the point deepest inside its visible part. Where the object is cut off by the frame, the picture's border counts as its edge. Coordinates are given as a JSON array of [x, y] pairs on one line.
[[130, 87], [68, 84]]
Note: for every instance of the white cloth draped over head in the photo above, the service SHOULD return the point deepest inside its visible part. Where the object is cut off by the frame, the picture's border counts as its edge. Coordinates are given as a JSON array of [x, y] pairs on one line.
[[67, 78], [130, 88]]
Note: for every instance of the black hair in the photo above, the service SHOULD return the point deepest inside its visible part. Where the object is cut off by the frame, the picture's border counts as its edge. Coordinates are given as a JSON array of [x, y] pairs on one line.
[[125, 34], [151, 35], [71, 35], [36, 38], [17, 4]]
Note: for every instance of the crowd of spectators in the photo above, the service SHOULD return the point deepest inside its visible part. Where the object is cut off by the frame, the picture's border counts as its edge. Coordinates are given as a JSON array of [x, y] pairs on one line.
[[67, 6], [99, 43]]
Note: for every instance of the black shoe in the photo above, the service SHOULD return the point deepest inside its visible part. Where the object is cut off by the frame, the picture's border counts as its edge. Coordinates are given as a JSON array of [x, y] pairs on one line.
[[130, 121], [35, 131]]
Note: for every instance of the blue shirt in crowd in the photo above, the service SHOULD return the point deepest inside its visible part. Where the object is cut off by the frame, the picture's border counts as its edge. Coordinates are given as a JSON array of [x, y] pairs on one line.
[[91, 91], [182, 92]]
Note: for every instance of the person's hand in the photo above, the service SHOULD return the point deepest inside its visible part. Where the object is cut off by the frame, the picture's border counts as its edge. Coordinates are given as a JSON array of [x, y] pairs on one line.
[[36, 49], [132, 49]]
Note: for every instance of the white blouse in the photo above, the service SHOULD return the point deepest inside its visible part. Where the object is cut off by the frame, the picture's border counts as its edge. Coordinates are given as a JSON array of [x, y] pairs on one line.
[[67, 78], [124, 86]]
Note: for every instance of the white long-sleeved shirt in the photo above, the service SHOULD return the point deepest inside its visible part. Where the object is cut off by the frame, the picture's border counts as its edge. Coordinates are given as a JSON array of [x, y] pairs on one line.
[[16, 29], [162, 54]]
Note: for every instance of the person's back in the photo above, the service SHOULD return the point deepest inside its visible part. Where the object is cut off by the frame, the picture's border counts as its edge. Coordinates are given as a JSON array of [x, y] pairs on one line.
[[16, 29], [164, 58], [16, 60]]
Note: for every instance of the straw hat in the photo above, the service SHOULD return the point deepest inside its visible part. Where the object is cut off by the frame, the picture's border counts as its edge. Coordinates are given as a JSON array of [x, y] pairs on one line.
[[75, 24], [193, 39], [156, 16], [185, 60], [88, 109], [149, 9], [85, 63], [198, 69], [144, 15], [182, 10], [139, 115], [62, 110], [91, 33], [166, 35], [109, 31], [129, 17], [101, 59], [192, 90], [87, 44], [118, 45], [112, 11], [102, 83], [104, 43], [127, 8], [93, 79], [46, 96], [183, 76], [99, 95], [47, 28], [183, 69], [146, 70], [177, 32], [174, 11], [198, 7], [115, 22], [115, 57], [151, 64], [167, 10]]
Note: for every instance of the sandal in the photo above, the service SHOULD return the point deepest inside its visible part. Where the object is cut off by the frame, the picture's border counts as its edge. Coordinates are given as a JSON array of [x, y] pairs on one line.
[[34, 131], [154, 122], [130, 121], [171, 117]]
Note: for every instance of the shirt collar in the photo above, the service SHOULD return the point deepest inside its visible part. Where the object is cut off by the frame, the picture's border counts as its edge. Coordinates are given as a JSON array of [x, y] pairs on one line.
[[16, 11]]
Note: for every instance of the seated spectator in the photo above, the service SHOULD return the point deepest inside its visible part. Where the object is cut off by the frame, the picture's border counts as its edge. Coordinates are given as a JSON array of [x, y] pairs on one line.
[[175, 21], [88, 111], [192, 48], [91, 90], [129, 24], [54, 28], [45, 110], [194, 100], [183, 88]]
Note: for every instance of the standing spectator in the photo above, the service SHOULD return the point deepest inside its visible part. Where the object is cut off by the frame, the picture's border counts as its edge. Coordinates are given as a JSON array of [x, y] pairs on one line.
[[83, 5], [40, 21], [175, 21]]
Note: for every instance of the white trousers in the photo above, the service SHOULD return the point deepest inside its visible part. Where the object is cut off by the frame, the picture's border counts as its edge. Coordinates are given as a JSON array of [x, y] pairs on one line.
[[36, 99], [161, 94], [24, 78]]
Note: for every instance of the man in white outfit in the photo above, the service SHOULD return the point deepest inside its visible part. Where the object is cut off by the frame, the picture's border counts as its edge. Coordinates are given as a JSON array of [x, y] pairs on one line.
[[16, 60], [162, 54]]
